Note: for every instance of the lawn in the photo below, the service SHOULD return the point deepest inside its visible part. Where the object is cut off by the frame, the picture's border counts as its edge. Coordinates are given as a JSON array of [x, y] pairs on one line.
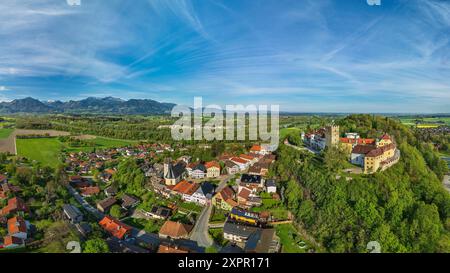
[[290, 239], [44, 150], [4, 133], [217, 235]]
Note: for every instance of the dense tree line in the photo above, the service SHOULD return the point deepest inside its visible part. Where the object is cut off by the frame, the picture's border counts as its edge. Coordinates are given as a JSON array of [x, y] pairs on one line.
[[405, 208]]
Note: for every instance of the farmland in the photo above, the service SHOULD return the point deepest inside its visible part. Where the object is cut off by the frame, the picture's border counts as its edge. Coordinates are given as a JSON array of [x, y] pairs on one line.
[[44, 150], [4, 133], [425, 122]]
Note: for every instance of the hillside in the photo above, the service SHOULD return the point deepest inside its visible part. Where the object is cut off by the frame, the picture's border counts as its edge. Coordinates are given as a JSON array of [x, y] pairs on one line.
[[90, 105], [405, 208]]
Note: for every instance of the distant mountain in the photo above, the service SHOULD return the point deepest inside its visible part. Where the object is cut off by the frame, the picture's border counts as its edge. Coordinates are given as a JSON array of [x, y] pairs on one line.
[[91, 105]]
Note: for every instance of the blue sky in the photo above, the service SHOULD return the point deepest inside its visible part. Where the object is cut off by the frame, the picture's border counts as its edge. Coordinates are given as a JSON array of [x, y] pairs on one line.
[[305, 55]]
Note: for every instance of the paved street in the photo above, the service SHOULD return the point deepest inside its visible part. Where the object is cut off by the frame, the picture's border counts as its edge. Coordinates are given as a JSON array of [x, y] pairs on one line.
[[200, 232]]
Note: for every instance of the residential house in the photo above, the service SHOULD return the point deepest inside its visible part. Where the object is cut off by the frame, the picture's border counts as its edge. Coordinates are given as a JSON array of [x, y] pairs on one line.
[[159, 212], [110, 191], [263, 241], [199, 171], [106, 204], [13, 242], [186, 189], [253, 182], [175, 230], [271, 186], [242, 164], [231, 167], [15, 205], [244, 216], [73, 214], [18, 227], [90, 191], [237, 233], [203, 194], [78, 181], [115, 227], [213, 169], [225, 199], [129, 202]]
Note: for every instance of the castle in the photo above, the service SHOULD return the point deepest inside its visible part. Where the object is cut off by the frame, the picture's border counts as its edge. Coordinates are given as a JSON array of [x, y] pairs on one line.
[[371, 154]]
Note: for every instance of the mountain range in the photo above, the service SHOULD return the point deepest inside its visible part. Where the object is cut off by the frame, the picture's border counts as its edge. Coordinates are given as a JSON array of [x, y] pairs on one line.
[[91, 105]]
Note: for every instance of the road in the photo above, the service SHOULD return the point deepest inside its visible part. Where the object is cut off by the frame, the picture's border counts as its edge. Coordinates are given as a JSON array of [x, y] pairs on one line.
[[84, 203], [200, 232]]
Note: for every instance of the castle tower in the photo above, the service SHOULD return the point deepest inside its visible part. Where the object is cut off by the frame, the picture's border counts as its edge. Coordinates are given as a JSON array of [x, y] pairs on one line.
[[332, 136]]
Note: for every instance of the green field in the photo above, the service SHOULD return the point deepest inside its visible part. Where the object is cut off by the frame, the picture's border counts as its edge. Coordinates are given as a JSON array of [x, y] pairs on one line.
[[48, 150], [426, 122], [101, 143], [44, 150], [291, 240], [4, 133], [286, 131]]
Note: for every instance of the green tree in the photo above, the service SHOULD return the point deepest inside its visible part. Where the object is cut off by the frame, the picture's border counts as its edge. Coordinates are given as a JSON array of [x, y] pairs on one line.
[[96, 246], [116, 211]]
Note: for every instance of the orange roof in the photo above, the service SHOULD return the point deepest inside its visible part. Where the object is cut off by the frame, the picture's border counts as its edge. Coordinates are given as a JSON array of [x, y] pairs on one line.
[[238, 160], [14, 204], [256, 148], [211, 164], [16, 225], [185, 187], [175, 229], [245, 193], [115, 227], [10, 240]]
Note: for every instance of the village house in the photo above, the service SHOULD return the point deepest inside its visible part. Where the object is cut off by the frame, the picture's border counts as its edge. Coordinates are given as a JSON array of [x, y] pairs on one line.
[[159, 212], [242, 164], [199, 171], [271, 186], [238, 233], [90, 191], [231, 167], [115, 227], [175, 230], [106, 204], [263, 241], [213, 169], [255, 183], [73, 214], [203, 194], [225, 199], [110, 191], [13, 242], [14, 205], [244, 216], [129, 202], [186, 189], [18, 227]]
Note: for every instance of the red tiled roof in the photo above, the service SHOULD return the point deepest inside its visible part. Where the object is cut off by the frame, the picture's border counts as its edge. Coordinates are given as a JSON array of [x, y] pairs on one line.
[[245, 193], [115, 227], [186, 187], [363, 149], [211, 164], [256, 148], [366, 141], [14, 204], [238, 160]]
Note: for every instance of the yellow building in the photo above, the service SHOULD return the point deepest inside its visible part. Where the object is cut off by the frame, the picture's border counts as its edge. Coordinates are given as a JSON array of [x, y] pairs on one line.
[[376, 157]]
